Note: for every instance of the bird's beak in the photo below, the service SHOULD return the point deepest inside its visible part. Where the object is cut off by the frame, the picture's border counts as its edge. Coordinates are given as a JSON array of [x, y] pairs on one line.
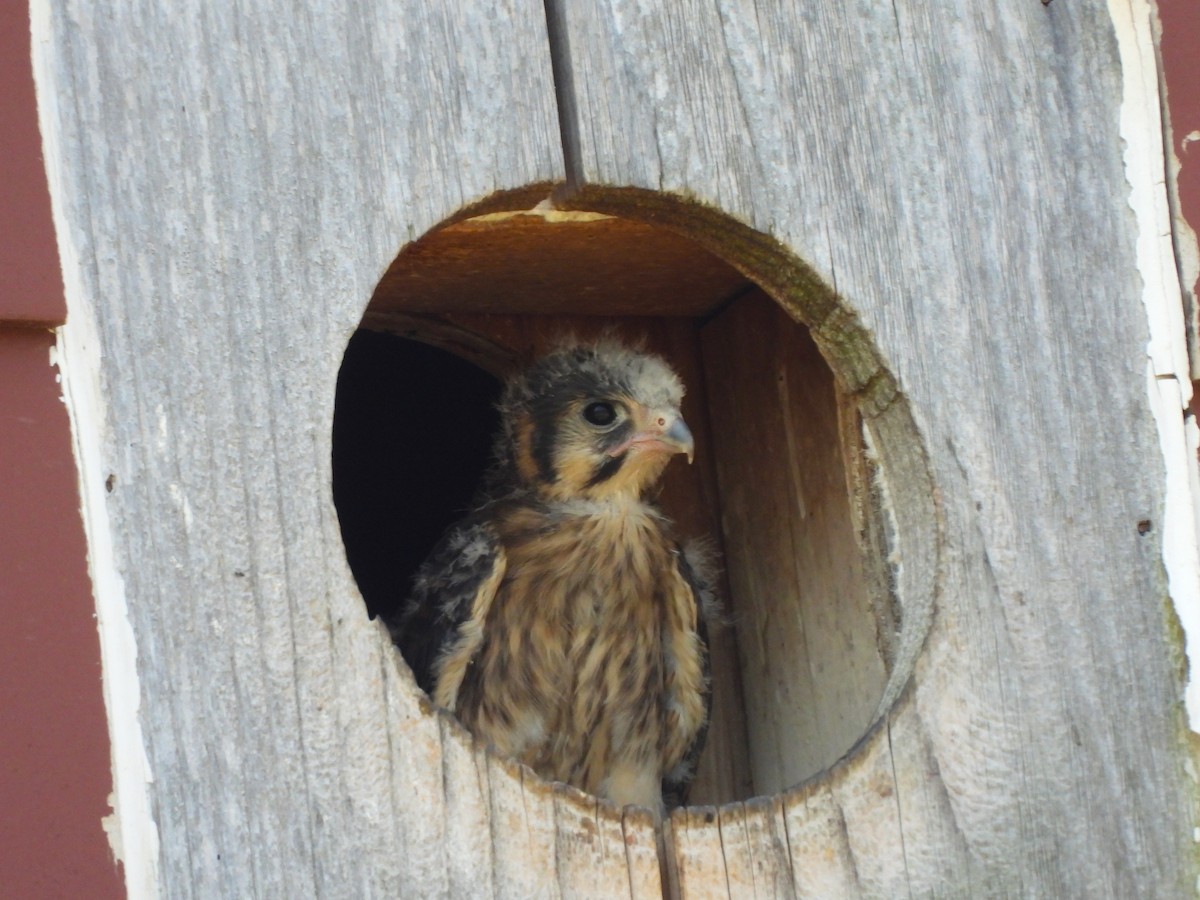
[[666, 432], [679, 437]]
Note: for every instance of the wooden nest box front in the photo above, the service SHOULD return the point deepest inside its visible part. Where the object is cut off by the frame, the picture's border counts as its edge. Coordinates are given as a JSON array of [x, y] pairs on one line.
[[785, 480], [918, 268]]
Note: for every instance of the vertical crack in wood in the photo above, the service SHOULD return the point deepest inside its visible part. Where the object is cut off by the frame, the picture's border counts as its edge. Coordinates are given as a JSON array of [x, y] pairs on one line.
[[899, 811], [724, 856], [564, 94], [446, 848], [843, 828], [899, 31], [668, 861], [525, 809], [387, 686], [311, 824], [781, 812]]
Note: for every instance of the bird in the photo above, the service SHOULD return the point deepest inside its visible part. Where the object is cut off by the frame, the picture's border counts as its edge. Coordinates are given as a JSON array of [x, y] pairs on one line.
[[560, 620]]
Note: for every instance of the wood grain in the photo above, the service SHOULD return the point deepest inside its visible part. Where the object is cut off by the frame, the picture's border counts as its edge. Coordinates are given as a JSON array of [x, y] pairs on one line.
[[753, 840], [937, 192], [523, 833], [696, 856], [230, 183], [813, 676], [646, 868], [954, 179], [591, 846], [554, 264]]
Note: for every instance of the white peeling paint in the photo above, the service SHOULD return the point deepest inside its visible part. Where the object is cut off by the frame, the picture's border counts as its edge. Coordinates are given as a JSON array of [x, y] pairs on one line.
[[131, 829], [1169, 386]]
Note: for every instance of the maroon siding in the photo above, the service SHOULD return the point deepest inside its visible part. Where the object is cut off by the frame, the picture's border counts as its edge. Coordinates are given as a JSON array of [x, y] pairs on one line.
[[54, 740], [1181, 71], [1181, 62], [30, 280], [55, 775]]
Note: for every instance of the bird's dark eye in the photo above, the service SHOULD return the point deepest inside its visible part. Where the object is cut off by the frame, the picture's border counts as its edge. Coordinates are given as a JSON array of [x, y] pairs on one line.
[[600, 413]]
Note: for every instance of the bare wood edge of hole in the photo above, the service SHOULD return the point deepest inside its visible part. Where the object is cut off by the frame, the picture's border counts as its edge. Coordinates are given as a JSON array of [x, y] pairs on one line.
[[774, 811], [667, 863], [396, 670], [871, 521], [910, 500]]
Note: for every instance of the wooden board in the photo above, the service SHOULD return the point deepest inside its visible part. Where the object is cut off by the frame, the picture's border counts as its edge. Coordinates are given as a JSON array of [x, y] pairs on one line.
[[229, 184], [813, 674], [556, 264], [955, 177], [938, 192]]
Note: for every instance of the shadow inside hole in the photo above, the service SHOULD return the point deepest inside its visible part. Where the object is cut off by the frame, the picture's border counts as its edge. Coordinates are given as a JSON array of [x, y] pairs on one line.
[[412, 431]]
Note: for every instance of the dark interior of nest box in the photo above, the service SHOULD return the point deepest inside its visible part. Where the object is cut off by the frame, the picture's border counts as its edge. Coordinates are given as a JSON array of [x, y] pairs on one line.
[[780, 479]]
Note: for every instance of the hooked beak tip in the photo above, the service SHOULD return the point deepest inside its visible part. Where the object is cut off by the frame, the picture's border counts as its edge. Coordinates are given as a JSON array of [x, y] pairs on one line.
[[680, 437]]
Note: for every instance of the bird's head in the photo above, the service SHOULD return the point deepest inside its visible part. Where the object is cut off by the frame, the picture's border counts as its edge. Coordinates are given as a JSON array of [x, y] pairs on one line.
[[593, 422]]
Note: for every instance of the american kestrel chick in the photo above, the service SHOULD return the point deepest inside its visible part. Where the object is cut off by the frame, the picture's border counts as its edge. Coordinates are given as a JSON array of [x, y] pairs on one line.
[[561, 621]]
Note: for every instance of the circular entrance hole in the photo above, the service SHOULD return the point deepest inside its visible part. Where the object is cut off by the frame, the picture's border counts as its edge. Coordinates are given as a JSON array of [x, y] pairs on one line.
[[809, 476]]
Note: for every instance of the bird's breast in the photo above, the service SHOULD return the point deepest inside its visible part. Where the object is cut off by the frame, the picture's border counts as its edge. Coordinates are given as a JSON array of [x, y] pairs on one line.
[[570, 674]]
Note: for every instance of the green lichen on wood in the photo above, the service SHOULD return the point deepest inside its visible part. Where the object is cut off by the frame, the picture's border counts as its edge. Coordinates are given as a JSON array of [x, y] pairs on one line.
[[1176, 641]]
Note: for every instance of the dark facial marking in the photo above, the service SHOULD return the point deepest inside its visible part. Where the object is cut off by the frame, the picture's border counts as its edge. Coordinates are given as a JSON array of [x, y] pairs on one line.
[[607, 470], [550, 389]]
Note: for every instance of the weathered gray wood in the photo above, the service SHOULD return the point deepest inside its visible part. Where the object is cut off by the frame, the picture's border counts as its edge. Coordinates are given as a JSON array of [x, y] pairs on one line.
[[521, 838], [468, 839], [646, 871], [590, 851], [696, 857], [230, 182], [954, 173], [753, 842]]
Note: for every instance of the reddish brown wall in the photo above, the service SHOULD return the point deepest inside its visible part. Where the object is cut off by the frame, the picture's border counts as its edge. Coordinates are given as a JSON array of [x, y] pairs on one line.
[[1181, 62], [1181, 71], [55, 775]]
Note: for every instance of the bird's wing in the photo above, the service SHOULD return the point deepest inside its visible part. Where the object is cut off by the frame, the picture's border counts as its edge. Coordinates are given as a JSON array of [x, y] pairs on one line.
[[440, 627], [695, 568]]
